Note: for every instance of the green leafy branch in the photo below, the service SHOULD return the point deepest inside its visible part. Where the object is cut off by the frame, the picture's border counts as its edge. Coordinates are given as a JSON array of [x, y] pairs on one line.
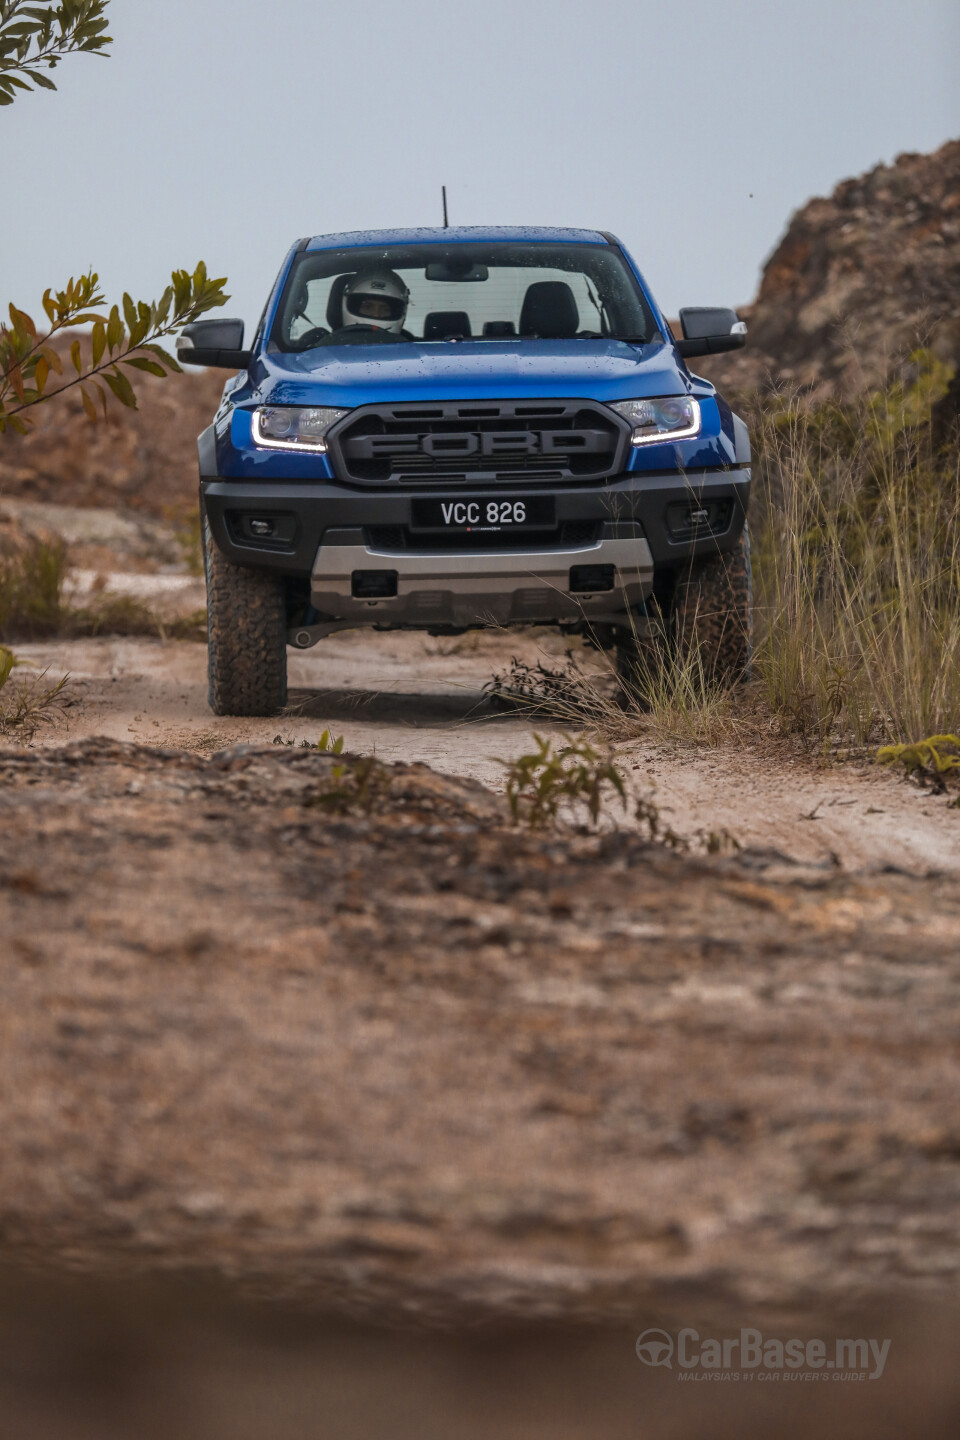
[[27, 359], [33, 38]]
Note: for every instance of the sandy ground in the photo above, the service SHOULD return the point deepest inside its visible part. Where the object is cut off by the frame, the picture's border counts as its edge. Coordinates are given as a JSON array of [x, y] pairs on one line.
[[416, 1066], [411, 697]]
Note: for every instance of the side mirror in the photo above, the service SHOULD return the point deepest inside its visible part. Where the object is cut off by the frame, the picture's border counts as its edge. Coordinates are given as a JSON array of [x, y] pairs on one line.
[[213, 342], [710, 330]]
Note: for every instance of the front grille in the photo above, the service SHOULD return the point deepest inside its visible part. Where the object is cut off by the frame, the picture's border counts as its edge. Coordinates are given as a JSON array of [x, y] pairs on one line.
[[536, 441], [571, 535]]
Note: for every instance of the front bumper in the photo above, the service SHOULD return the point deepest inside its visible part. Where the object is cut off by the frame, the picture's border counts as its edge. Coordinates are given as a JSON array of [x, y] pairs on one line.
[[305, 512], [352, 580]]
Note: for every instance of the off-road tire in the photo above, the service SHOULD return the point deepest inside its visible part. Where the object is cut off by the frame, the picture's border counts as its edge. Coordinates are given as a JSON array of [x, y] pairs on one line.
[[713, 613], [246, 636], [641, 660]]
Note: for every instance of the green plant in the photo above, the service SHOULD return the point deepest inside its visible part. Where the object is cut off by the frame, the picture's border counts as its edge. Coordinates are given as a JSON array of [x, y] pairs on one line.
[[27, 358], [328, 743], [647, 813], [334, 744], [576, 774], [932, 760], [33, 38], [357, 784], [8, 663]]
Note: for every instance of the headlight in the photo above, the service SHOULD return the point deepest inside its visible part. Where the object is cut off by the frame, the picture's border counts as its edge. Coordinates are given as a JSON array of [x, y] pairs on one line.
[[290, 427], [675, 418]]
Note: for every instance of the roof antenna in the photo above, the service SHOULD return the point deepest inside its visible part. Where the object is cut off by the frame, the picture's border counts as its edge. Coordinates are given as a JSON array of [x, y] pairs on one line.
[[446, 222]]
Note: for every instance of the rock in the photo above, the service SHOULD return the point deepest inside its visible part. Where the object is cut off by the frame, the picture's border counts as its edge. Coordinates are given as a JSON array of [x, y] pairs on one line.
[[859, 278]]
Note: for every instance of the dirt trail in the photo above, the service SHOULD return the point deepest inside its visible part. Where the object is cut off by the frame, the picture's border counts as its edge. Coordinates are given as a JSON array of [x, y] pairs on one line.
[[411, 1060], [410, 697], [418, 1065]]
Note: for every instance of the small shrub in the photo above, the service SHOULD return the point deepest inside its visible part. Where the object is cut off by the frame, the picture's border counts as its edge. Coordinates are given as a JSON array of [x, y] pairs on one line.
[[353, 785], [647, 812], [712, 842], [562, 691], [577, 774], [26, 704], [31, 588], [931, 761], [333, 745], [32, 606]]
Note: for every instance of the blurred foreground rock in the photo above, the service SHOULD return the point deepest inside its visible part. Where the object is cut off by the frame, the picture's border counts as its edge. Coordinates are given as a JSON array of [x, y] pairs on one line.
[[416, 1063]]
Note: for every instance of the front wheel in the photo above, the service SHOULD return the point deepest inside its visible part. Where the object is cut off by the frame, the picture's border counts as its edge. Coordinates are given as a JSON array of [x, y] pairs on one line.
[[246, 636], [713, 613], [708, 626]]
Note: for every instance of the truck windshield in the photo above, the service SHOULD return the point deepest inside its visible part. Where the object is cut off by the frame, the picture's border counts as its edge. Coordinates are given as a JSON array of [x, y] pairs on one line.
[[437, 294]]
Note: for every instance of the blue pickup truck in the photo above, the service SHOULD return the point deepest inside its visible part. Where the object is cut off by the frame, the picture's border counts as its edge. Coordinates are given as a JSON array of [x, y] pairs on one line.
[[442, 429]]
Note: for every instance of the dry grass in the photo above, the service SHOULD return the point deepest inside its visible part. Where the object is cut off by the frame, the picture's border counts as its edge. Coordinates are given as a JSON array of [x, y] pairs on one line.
[[659, 702], [855, 527], [857, 566], [32, 605], [31, 590], [26, 702]]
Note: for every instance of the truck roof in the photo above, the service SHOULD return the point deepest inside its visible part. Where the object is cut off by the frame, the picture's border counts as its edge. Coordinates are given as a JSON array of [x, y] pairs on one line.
[[437, 235]]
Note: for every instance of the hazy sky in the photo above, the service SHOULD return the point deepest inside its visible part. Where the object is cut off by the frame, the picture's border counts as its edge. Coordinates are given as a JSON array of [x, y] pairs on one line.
[[224, 129]]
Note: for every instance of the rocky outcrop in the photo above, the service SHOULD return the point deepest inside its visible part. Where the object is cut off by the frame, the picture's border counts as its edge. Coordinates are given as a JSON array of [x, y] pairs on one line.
[[145, 459], [858, 280]]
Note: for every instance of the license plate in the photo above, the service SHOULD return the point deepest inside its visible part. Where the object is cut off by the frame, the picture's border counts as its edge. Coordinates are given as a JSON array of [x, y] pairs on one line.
[[520, 512]]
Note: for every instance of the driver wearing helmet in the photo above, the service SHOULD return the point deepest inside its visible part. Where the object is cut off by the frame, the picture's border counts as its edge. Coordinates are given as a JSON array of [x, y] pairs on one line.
[[376, 300]]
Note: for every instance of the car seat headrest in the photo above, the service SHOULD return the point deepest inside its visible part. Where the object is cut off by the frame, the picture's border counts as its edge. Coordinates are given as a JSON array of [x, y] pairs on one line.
[[549, 311], [441, 324]]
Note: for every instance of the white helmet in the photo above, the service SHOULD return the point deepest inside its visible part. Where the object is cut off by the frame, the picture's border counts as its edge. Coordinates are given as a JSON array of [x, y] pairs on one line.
[[377, 298]]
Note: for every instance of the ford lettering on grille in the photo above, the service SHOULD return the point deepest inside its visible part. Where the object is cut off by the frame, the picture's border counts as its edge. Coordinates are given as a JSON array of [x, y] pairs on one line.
[[501, 441], [495, 442]]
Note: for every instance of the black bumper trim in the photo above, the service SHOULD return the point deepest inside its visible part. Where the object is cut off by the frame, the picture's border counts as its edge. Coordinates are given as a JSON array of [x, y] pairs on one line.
[[326, 505]]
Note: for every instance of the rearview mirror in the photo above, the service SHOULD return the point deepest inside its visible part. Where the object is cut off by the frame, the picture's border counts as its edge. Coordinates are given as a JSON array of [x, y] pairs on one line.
[[213, 342], [710, 330], [454, 269]]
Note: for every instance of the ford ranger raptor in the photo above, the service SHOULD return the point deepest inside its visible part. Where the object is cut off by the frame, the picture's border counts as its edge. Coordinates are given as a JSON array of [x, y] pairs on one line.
[[443, 429]]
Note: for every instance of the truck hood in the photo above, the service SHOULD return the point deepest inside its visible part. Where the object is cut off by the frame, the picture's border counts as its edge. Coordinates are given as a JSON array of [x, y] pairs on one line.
[[362, 375]]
